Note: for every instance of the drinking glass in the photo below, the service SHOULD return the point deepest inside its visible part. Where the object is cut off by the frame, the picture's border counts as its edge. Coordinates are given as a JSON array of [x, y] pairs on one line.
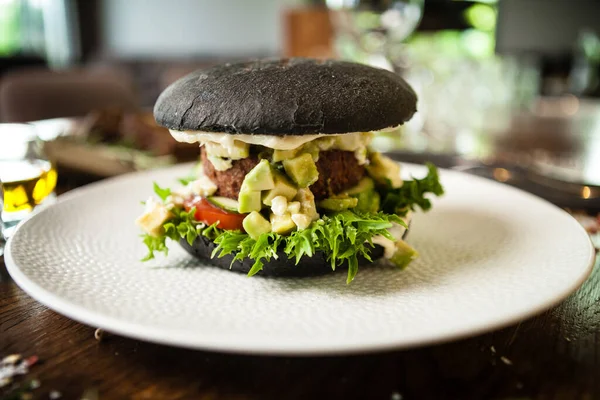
[[27, 178], [373, 31]]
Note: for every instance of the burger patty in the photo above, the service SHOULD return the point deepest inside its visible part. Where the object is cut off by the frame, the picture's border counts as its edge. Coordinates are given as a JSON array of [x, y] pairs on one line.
[[338, 170]]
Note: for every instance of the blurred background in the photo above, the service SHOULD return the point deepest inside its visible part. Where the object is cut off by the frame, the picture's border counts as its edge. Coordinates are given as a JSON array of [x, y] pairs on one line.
[[508, 89]]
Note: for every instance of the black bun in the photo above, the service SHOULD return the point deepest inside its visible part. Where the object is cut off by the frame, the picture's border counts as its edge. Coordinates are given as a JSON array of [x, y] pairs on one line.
[[202, 248], [287, 97]]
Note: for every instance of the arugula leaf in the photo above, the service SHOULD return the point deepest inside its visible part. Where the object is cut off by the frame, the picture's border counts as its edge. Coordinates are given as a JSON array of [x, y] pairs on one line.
[[161, 193], [412, 193]]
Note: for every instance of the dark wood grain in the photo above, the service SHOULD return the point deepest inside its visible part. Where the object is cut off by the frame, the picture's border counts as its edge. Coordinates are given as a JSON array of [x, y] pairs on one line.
[[552, 356]]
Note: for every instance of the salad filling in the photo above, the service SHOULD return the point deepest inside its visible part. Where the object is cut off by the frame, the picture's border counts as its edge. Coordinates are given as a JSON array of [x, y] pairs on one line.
[[331, 194]]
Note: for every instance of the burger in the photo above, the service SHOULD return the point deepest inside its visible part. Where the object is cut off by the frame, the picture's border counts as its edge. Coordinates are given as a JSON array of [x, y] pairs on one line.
[[286, 182]]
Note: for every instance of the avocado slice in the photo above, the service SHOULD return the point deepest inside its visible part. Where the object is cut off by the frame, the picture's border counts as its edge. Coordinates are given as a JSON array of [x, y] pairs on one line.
[[363, 185], [403, 255], [384, 170], [248, 201], [302, 170], [338, 204], [368, 201], [282, 224], [280, 155], [259, 178], [255, 225], [283, 187]]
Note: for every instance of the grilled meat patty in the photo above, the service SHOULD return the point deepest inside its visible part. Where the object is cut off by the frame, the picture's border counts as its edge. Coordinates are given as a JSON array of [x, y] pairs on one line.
[[338, 170]]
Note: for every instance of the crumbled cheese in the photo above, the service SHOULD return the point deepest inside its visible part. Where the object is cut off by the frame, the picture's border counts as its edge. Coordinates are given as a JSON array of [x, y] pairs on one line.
[[397, 231], [235, 151], [293, 207], [307, 203], [203, 186], [279, 205], [302, 221], [174, 199], [220, 163], [154, 216]]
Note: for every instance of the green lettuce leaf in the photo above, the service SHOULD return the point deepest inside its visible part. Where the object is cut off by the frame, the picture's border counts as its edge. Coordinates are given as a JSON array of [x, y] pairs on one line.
[[182, 225], [412, 193]]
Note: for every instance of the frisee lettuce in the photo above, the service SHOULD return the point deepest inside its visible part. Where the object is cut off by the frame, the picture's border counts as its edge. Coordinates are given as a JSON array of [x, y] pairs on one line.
[[343, 237], [412, 193], [182, 225]]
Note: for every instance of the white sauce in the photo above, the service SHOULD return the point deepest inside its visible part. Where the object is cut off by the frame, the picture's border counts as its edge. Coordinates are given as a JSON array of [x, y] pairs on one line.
[[397, 231], [226, 140], [287, 142]]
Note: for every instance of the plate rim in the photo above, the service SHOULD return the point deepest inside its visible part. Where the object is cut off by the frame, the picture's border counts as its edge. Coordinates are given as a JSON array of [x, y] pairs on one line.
[[95, 319]]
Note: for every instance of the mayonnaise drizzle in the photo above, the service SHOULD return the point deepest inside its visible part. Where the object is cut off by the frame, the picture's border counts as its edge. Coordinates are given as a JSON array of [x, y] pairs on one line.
[[287, 142]]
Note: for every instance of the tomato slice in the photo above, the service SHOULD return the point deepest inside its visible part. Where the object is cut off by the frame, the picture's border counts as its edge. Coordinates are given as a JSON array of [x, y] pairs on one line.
[[209, 214]]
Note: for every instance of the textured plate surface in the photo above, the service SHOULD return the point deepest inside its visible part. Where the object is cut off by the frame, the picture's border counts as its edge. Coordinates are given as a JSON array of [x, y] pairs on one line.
[[490, 256]]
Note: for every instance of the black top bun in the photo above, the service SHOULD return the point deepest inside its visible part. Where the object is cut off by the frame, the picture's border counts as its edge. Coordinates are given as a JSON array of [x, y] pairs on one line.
[[286, 97]]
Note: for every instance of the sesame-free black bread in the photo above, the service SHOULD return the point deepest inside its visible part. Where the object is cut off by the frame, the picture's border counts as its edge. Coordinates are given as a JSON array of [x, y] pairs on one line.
[[286, 97]]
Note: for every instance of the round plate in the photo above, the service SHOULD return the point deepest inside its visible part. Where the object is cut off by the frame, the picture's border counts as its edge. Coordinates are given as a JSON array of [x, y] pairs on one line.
[[491, 255]]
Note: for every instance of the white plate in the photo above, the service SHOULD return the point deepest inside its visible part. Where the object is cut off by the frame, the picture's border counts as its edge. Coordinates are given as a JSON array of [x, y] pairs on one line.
[[491, 255]]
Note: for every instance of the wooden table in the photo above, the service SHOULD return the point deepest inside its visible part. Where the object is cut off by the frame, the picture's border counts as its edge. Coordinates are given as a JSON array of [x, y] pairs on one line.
[[553, 356]]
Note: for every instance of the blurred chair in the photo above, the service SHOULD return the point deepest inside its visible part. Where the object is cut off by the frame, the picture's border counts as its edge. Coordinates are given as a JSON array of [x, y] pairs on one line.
[[31, 95]]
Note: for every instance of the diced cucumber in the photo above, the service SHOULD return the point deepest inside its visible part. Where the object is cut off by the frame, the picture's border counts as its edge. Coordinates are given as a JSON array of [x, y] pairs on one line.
[[224, 203]]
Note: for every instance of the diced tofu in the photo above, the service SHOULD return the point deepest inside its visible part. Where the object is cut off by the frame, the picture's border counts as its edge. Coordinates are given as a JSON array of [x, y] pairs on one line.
[[153, 218]]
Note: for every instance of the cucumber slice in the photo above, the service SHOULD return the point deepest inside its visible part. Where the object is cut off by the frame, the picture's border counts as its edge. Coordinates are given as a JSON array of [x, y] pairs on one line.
[[225, 203]]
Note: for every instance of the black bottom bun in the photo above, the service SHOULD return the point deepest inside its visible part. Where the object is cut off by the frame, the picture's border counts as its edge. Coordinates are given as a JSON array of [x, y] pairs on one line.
[[203, 247]]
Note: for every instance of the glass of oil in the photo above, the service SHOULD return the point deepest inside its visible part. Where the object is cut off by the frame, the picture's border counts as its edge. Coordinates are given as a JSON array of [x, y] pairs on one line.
[[27, 177]]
